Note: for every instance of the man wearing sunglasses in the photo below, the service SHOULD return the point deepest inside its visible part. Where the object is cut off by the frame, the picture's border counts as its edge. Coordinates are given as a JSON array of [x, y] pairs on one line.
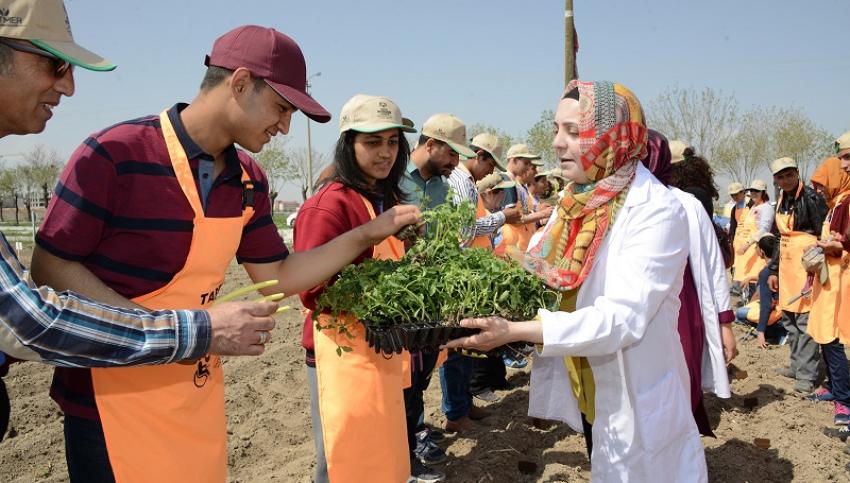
[[37, 55]]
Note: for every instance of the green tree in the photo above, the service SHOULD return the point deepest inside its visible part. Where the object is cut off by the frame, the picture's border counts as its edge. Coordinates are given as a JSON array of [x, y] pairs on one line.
[[505, 139], [539, 139], [797, 136], [744, 153]]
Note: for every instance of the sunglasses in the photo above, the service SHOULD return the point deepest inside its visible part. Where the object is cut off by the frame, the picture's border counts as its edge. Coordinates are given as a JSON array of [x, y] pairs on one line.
[[60, 66]]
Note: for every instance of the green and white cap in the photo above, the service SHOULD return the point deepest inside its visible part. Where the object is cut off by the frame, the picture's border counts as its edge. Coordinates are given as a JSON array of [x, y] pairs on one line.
[[45, 23], [450, 130], [490, 143], [365, 113], [522, 151], [494, 181]]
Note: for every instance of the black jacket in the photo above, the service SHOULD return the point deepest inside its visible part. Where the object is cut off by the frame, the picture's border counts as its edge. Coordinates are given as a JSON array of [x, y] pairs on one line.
[[809, 210]]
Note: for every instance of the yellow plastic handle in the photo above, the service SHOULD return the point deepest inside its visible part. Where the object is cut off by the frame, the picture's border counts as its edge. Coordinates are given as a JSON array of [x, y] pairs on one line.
[[244, 290]]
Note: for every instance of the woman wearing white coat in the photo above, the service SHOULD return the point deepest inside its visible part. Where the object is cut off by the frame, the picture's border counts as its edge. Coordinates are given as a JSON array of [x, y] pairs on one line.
[[617, 250]]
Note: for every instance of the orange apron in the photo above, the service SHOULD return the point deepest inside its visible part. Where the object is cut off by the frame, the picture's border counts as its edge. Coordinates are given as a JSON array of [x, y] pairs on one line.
[[517, 235], [750, 264], [482, 241], [753, 313], [843, 312], [361, 400], [166, 423], [792, 276], [823, 317]]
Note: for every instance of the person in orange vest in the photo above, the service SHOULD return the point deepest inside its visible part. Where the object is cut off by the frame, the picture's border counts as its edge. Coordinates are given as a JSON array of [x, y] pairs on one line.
[[487, 159], [739, 201], [755, 220], [831, 182], [520, 161], [356, 398], [800, 213], [150, 213]]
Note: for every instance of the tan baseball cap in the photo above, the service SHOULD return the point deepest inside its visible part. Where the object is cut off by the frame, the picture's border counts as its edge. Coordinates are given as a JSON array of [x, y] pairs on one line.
[[677, 151], [522, 151], [490, 143], [843, 142], [450, 130], [365, 113], [758, 185], [782, 163], [735, 188], [494, 181], [45, 24]]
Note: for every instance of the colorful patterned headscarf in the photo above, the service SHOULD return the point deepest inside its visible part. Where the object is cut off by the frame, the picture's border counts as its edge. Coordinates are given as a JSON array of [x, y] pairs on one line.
[[612, 138]]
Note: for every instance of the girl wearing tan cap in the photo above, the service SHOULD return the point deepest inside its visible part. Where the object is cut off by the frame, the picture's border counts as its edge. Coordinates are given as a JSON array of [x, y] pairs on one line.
[[356, 396], [615, 250]]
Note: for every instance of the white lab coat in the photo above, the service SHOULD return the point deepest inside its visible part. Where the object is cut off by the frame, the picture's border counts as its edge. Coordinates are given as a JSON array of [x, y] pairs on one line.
[[712, 288], [626, 325]]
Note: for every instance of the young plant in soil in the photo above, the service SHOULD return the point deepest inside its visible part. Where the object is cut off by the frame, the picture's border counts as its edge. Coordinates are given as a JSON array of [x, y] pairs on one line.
[[437, 281]]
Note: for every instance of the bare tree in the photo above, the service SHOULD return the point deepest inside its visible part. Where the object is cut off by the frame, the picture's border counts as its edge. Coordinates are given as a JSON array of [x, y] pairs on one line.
[[7, 189], [798, 137], [43, 167], [704, 119], [750, 148], [276, 162], [299, 170], [539, 139]]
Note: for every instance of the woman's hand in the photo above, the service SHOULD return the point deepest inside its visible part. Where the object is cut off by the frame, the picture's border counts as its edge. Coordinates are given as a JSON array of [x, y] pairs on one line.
[[831, 248], [729, 345], [495, 332], [390, 222], [762, 342]]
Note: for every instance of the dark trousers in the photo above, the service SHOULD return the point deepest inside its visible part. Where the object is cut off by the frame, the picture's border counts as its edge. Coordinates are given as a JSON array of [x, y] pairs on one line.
[[421, 366], [488, 374], [454, 377], [5, 409], [85, 451], [587, 429], [805, 358], [837, 372]]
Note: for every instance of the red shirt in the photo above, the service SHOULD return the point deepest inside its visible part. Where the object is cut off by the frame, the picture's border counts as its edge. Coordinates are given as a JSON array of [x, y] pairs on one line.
[[332, 211], [119, 210]]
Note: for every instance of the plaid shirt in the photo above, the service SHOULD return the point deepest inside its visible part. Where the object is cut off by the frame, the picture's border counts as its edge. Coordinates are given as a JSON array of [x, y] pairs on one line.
[[463, 187], [67, 329]]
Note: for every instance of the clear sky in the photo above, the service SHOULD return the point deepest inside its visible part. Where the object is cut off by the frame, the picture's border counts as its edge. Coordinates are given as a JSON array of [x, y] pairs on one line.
[[494, 61]]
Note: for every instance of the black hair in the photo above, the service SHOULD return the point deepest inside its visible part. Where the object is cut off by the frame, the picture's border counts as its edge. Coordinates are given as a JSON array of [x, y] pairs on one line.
[[346, 171], [216, 75], [573, 94], [6, 59], [694, 171], [767, 244]]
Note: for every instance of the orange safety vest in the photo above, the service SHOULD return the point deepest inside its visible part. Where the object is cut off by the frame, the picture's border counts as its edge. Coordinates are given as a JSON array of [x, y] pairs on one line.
[[517, 235], [361, 400], [753, 313], [823, 317], [750, 264], [166, 423], [792, 276], [482, 241]]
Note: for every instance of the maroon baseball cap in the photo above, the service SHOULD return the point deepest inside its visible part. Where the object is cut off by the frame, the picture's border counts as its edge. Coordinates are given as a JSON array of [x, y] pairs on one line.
[[272, 56]]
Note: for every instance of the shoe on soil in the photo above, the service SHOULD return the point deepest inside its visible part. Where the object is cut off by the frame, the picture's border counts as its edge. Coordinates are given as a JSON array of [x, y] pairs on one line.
[[435, 436], [476, 414], [427, 451], [841, 414], [804, 386], [515, 363], [821, 394], [840, 432], [460, 425], [785, 372], [487, 396], [420, 473]]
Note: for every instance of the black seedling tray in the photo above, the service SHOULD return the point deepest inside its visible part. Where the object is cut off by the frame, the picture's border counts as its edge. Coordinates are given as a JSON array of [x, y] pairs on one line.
[[415, 336]]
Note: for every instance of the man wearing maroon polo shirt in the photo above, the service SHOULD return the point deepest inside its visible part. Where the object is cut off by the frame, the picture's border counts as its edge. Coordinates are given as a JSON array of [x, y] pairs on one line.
[[121, 227]]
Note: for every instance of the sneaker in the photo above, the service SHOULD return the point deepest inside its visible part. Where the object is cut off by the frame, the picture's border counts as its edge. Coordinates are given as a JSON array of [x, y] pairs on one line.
[[785, 372], [435, 436], [841, 414], [420, 473], [514, 363], [840, 432], [476, 413], [427, 451], [822, 394], [783, 339], [804, 386], [487, 396]]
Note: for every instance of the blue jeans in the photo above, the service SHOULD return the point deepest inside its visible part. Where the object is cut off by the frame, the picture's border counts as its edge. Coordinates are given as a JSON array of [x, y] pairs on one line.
[[837, 372], [321, 474], [455, 375]]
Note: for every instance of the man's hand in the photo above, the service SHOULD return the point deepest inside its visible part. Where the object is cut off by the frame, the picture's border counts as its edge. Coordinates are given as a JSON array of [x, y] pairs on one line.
[[513, 215], [241, 328], [389, 223], [773, 283]]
